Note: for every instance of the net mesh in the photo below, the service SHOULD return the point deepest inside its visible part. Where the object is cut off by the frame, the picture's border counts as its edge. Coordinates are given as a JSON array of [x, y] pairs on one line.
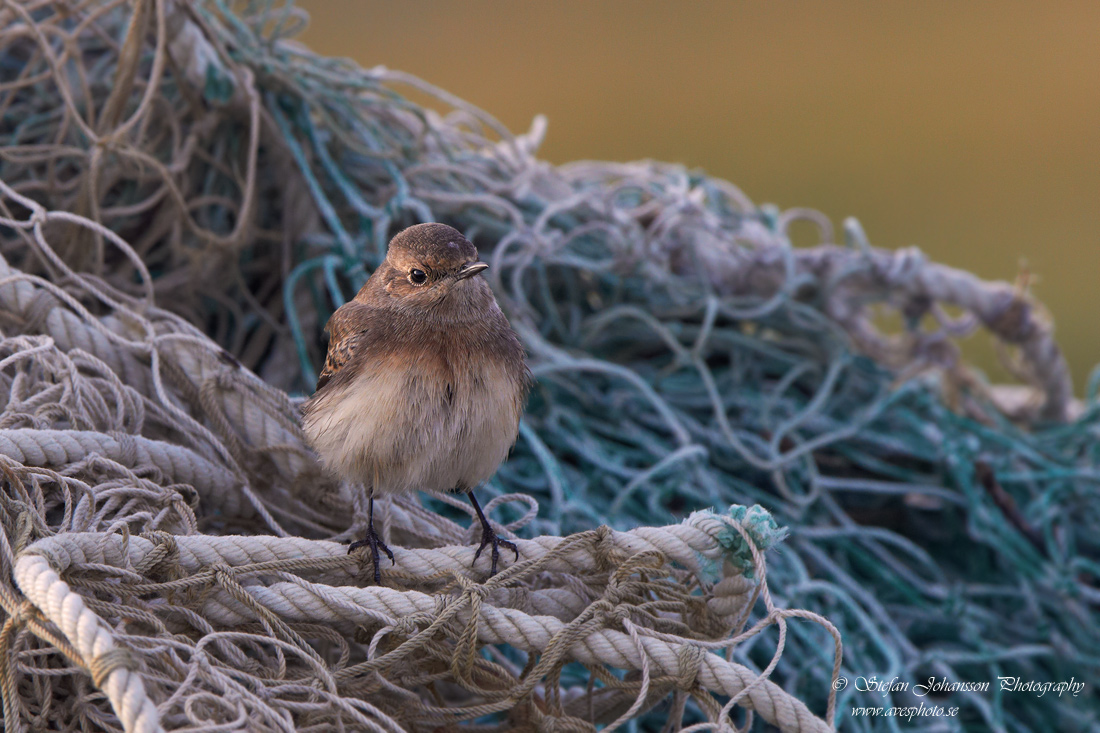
[[186, 197]]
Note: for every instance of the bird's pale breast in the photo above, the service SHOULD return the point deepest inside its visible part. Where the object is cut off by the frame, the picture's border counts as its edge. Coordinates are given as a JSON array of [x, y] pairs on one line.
[[420, 419]]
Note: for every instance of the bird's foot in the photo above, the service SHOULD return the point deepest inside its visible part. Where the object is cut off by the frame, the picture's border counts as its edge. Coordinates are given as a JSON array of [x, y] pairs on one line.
[[489, 538], [375, 543]]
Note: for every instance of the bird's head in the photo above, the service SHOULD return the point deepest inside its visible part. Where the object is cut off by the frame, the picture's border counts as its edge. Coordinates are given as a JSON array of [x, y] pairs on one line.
[[429, 266]]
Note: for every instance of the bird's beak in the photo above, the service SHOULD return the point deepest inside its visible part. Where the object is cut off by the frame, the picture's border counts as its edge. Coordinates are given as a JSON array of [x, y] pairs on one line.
[[472, 269]]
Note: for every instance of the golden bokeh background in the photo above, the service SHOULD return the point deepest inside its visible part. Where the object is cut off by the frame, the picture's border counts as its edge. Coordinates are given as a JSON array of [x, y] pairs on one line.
[[971, 130]]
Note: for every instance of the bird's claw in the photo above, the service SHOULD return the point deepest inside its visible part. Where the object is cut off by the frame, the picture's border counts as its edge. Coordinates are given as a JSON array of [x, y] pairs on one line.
[[375, 543], [489, 538]]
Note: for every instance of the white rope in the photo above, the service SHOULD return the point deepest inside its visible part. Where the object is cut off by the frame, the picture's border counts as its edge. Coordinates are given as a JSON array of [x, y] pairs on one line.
[[686, 544], [84, 630]]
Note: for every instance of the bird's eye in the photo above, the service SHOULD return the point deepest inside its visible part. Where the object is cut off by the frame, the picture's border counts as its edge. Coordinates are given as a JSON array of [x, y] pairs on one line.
[[417, 277]]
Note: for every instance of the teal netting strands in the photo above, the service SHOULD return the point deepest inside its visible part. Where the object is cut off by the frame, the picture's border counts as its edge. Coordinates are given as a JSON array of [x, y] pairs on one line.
[[687, 354]]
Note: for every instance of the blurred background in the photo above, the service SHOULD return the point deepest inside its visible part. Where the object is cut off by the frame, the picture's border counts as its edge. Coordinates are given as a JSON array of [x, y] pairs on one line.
[[969, 130]]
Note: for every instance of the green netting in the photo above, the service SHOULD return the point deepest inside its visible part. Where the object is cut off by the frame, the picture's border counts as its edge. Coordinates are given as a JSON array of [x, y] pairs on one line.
[[687, 355]]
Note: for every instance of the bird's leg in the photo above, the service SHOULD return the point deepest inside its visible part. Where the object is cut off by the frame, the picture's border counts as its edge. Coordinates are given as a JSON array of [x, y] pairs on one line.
[[374, 542], [489, 537]]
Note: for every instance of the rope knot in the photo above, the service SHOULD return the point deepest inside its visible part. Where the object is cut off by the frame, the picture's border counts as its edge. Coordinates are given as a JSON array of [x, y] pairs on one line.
[[38, 216], [602, 547], [107, 142], [472, 587], [615, 595], [222, 575], [407, 625], [618, 614], [225, 380], [24, 530], [689, 660], [164, 550], [127, 446], [110, 660], [612, 613], [23, 611]]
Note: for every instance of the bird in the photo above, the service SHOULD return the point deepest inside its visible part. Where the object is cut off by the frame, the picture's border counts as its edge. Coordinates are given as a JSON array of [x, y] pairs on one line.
[[424, 382]]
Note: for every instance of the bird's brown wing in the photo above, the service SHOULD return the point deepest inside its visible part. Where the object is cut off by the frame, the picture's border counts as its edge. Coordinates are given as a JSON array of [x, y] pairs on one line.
[[348, 336]]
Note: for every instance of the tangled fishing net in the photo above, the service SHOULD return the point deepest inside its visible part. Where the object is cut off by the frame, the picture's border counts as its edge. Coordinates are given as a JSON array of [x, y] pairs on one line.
[[185, 197]]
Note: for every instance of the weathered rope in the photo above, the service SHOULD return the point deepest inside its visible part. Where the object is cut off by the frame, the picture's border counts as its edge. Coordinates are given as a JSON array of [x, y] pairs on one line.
[[345, 607], [693, 545]]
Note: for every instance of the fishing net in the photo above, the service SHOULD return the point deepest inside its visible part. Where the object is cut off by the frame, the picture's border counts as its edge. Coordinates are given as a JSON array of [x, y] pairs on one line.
[[185, 197]]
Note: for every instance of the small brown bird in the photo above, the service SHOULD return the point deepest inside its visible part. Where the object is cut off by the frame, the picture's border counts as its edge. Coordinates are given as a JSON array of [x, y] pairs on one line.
[[424, 382]]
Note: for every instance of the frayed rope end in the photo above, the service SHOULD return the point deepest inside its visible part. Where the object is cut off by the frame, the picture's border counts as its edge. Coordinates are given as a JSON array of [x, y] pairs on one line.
[[758, 524]]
